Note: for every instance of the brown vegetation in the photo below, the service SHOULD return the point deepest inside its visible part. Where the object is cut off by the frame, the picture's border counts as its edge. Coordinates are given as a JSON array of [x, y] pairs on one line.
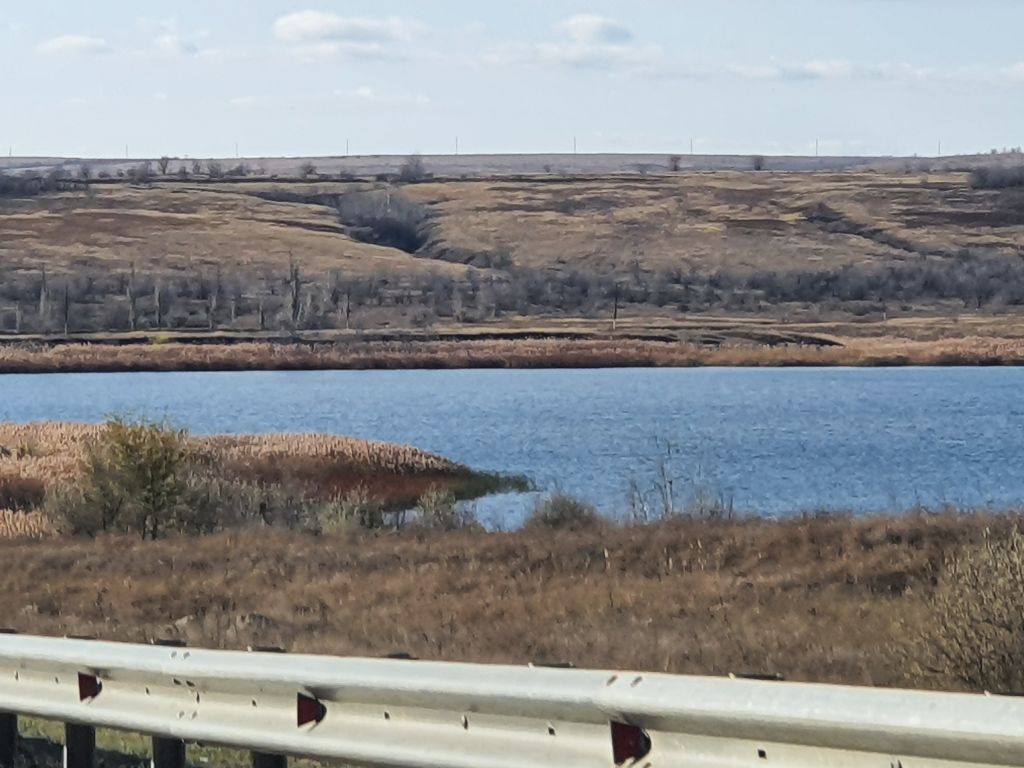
[[519, 353], [259, 255], [823, 599], [87, 476]]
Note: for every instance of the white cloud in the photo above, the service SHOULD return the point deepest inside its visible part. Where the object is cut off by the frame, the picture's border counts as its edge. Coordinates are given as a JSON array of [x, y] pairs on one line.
[[74, 45], [315, 33], [242, 102], [588, 42], [596, 30], [173, 41], [372, 96], [832, 69]]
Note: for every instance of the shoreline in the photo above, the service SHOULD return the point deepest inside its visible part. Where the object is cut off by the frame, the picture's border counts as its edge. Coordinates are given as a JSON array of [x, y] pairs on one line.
[[234, 354]]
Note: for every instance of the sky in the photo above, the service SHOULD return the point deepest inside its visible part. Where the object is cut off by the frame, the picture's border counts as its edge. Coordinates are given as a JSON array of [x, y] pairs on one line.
[[197, 78]]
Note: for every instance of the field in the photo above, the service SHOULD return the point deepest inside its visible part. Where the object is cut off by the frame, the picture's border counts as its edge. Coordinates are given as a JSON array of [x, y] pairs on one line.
[[826, 599], [727, 259]]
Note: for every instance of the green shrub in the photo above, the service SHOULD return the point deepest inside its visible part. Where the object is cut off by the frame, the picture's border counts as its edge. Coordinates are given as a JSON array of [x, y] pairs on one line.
[[563, 511], [135, 478]]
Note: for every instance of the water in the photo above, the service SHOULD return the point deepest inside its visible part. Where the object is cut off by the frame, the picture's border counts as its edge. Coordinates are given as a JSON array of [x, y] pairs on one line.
[[773, 441]]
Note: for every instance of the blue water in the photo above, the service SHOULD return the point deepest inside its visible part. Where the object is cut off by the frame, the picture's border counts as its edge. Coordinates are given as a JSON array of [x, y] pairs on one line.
[[771, 441]]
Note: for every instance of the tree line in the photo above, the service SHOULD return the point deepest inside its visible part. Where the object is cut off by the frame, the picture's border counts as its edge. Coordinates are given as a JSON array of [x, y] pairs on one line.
[[41, 302]]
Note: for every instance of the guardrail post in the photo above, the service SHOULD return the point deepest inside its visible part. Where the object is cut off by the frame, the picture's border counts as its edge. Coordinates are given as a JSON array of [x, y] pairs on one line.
[[265, 759], [8, 739], [79, 746], [168, 753]]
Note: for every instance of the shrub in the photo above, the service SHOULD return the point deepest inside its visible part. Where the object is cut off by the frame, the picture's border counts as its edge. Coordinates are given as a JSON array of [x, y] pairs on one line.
[[563, 511], [134, 479], [307, 169], [356, 509], [412, 169], [437, 509], [386, 218], [974, 636], [21, 494], [997, 177]]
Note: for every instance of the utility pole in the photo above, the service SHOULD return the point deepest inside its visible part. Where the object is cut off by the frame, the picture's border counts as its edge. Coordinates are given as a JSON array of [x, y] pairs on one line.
[[940, 149], [691, 147], [574, 145], [456, 146], [816, 154], [346, 147], [236, 150]]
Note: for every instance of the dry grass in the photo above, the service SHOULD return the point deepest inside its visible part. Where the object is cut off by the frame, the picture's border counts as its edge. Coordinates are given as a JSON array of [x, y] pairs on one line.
[[46, 456], [816, 599], [172, 228], [519, 353], [739, 221]]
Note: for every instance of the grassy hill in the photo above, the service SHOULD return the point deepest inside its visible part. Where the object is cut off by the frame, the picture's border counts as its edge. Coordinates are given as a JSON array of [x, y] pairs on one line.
[[195, 253]]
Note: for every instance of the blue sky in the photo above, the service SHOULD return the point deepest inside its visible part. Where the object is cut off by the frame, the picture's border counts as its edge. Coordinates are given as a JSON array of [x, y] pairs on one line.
[[282, 77]]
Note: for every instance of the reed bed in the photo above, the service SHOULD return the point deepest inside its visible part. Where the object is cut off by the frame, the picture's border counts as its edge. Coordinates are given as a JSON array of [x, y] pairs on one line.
[[15, 524], [40, 458], [51, 451], [365, 456], [520, 353]]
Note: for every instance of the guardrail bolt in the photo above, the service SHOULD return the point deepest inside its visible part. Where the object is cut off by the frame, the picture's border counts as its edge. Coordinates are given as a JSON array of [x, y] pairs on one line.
[[79, 746], [263, 759], [168, 753], [8, 739]]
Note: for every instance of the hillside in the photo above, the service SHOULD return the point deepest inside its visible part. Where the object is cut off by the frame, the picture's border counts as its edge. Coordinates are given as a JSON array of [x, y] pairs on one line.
[[284, 254]]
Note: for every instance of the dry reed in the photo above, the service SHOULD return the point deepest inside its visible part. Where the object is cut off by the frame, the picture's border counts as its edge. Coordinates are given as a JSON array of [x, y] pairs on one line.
[[521, 353]]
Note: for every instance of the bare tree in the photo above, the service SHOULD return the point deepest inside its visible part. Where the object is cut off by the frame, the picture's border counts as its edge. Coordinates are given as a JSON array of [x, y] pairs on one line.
[[44, 296], [197, 167], [158, 306], [130, 295], [163, 164], [295, 293], [674, 163], [412, 169], [758, 162], [307, 169], [67, 309]]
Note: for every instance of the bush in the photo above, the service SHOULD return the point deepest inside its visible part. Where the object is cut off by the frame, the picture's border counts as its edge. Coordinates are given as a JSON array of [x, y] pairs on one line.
[[438, 510], [134, 479], [21, 494], [974, 636], [997, 177], [356, 509], [412, 169], [563, 512]]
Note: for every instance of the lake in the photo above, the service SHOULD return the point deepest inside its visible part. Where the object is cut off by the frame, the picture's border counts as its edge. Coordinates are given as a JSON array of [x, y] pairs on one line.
[[772, 441]]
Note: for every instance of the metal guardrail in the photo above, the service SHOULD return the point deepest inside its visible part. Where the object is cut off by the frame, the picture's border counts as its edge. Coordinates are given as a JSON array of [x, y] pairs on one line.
[[416, 714]]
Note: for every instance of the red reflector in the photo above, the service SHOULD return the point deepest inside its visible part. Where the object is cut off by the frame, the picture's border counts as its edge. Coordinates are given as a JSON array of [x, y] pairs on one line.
[[310, 710], [629, 743], [89, 687]]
